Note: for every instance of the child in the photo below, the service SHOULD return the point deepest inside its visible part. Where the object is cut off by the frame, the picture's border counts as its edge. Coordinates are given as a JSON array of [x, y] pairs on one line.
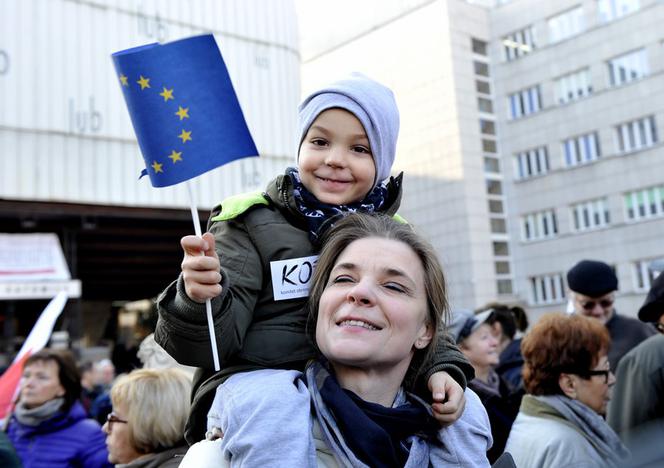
[[260, 252]]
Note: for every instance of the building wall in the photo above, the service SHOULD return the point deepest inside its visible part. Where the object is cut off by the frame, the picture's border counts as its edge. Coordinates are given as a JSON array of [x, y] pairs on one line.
[[64, 129]]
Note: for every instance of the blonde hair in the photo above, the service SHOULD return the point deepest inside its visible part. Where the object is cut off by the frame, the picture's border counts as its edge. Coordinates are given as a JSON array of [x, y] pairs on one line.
[[157, 402]]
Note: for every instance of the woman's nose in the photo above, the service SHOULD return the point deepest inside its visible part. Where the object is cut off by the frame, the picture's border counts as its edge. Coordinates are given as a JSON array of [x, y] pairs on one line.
[[361, 294]]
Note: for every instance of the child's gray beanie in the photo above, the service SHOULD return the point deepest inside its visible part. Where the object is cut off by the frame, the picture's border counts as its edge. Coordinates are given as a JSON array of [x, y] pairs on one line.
[[374, 106]]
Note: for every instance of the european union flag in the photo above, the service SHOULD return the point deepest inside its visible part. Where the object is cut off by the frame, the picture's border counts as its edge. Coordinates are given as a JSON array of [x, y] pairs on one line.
[[183, 107]]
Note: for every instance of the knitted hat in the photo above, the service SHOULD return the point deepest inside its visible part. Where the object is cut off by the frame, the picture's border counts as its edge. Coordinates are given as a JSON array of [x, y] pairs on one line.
[[653, 308], [464, 322], [374, 106], [592, 278]]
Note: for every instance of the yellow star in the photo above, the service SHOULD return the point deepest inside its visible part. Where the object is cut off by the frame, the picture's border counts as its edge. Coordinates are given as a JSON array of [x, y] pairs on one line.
[[183, 112], [144, 82], [167, 94], [123, 80], [157, 167], [185, 136], [175, 156]]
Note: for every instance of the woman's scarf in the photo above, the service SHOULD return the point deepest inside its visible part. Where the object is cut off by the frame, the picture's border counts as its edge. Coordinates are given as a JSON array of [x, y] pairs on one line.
[[491, 386], [592, 425], [376, 435], [318, 213], [35, 416]]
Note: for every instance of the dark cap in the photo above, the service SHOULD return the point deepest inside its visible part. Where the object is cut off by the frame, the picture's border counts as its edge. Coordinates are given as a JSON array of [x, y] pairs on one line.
[[592, 278], [653, 308]]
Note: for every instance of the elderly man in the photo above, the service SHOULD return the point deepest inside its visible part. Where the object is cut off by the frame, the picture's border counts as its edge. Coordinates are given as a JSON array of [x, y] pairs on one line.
[[592, 285]]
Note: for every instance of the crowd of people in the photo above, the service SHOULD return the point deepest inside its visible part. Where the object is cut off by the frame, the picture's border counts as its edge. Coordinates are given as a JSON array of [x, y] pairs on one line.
[[364, 365]]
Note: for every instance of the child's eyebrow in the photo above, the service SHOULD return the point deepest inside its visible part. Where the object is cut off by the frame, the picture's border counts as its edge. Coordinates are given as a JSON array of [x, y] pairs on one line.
[[326, 131]]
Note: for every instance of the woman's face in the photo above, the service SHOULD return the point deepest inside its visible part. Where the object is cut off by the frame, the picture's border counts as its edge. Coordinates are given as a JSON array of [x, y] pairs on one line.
[[118, 441], [595, 390], [374, 311], [40, 383], [481, 347]]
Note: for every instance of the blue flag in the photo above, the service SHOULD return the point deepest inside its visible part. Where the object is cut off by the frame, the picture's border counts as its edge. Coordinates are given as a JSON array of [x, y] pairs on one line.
[[183, 107]]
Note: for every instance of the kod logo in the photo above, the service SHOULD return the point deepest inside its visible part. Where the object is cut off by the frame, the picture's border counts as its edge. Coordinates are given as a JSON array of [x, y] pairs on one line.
[[291, 278]]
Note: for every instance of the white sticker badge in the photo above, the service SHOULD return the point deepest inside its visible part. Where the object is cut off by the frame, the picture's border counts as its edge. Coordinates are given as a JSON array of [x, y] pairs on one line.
[[291, 278]]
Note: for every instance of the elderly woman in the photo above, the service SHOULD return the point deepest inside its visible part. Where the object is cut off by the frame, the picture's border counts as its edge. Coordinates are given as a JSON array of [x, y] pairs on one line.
[[567, 377], [49, 427], [150, 408], [376, 306]]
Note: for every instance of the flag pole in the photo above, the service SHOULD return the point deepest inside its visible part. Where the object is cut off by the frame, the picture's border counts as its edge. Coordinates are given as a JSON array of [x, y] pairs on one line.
[[208, 303]]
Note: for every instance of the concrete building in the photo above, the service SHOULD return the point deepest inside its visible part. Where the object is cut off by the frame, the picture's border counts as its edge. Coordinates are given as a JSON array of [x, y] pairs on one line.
[[531, 135]]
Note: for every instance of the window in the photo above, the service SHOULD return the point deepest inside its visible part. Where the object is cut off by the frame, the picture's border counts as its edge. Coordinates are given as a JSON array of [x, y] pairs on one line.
[[581, 149], [518, 43], [498, 226], [628, 67], [481, 68], [501, 249], [643, 275], [491, 164], [489, 146], [525, 102], [494, 187], [593, 214], [485, 105], [487, 127], [547, 289], [478, 46], [504, 286], [482, 87], [612, 9], [644, 204], [637, 134], [573, 86], [537, 226], [567, 24], [496, 207], [531, 163]]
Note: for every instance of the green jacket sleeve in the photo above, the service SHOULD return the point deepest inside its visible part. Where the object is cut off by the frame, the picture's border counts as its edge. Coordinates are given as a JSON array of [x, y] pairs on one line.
[[182, 325]]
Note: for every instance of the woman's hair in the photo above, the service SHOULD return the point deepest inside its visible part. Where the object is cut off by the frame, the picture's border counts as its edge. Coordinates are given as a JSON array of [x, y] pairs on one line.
[[360, 226], [561, 343], [157, 406], [511, 318], [68, 374]]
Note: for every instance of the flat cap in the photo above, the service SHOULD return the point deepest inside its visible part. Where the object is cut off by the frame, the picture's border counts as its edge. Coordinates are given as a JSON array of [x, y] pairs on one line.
[[592, 278], [653, 308]]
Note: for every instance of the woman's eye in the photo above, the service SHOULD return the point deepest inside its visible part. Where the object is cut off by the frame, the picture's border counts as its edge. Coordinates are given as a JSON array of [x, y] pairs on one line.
[[395, 287], [342, 279], [318, 142], [361, 149]]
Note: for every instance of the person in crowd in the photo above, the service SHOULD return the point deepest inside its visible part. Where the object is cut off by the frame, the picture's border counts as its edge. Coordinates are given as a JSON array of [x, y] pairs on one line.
[[567, 378], [593, 286], [474, 334], [146, 427], [636, 410], [8, 456], [104, 377], [378, 300], [49, 427], [261, 247], [89, 390], [508, 323]]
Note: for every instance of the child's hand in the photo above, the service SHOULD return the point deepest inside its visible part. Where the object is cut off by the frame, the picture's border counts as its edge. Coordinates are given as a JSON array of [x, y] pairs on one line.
[[200, 268], [448, 398]]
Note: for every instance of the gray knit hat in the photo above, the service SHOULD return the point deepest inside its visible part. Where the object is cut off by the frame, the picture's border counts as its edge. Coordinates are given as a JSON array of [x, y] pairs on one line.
[[374, 106], [464, 322]]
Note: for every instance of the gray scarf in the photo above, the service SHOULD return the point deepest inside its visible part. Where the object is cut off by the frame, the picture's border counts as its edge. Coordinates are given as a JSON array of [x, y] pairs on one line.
[[35, 416], [592, 426]]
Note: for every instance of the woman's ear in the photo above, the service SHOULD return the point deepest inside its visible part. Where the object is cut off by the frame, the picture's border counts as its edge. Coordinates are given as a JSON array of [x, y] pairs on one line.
[[568, 385], [425, 336]]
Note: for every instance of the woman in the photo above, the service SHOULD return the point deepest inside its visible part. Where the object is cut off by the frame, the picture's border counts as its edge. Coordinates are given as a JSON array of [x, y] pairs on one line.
[[376, 305], [567, 377], [477, 341], [49, 427], [150, 408]]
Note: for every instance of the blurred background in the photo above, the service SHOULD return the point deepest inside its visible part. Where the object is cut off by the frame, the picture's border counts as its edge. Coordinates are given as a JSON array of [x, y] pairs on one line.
[[531, 138]]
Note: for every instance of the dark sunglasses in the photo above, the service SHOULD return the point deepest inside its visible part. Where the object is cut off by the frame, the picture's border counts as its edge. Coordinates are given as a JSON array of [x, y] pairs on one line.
[[112, 418], [604, 303]]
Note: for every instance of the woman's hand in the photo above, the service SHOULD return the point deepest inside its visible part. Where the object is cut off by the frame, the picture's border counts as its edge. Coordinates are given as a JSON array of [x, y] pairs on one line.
[[200, 268], [448, 398]]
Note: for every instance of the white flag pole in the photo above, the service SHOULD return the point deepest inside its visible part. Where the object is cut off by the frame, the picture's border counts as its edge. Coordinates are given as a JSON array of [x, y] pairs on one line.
[[208, 304]]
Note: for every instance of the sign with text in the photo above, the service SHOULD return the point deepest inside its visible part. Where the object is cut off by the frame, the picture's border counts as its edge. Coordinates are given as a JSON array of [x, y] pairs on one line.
[[32, 257], [291, 278]]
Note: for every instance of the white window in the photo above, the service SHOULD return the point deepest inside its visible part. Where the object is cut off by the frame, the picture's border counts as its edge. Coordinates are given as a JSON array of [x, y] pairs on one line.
[[628, 67], [525, 102], [540, 225], [547, 289], [581, 149], [593, 214], [637, 134], [567, 24], [531, 163], [643, 275], [644, 204], [573, 86], [518, 43], [612, 9]]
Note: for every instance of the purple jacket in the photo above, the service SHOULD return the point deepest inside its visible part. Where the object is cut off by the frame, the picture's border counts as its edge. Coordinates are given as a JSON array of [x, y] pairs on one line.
[[66, 440]]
